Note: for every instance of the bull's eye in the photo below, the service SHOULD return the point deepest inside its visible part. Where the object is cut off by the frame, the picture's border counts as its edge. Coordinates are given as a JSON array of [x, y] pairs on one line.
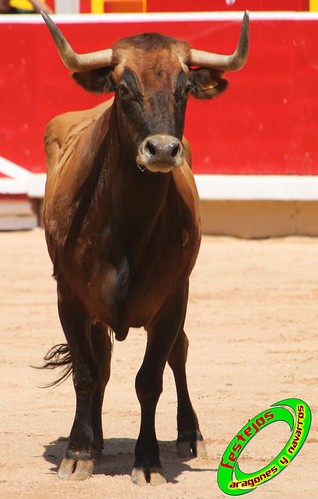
[[187, 89], [182, 92], [123, 89]]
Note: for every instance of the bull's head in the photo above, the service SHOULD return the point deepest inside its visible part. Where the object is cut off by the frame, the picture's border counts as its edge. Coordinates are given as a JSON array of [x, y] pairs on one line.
[[152, 76]]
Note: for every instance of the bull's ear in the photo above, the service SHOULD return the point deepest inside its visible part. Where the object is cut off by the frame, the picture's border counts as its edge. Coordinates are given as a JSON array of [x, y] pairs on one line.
[[97, 80], [206, 83]]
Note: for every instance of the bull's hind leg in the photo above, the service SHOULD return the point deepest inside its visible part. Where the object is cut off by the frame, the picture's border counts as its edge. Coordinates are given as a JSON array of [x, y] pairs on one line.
[[77, 463], [190, 441]]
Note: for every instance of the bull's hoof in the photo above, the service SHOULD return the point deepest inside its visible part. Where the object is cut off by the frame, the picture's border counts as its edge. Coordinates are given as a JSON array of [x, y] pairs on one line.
[[141, 477], [191, 446], [75, 469]]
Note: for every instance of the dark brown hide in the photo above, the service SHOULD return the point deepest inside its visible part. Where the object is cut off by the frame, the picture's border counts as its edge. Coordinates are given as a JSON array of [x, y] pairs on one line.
[[122, 226]]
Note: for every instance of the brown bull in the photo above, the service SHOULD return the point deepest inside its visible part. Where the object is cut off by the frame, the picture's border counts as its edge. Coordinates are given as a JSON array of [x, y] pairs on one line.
[[123, 230]]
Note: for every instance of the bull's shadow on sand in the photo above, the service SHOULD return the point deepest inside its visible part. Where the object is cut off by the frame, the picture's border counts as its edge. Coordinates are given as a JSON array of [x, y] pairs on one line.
[[118, 458]]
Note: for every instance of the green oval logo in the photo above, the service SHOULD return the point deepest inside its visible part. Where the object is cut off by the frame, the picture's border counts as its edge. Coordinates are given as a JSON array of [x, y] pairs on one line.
[[231, 479]]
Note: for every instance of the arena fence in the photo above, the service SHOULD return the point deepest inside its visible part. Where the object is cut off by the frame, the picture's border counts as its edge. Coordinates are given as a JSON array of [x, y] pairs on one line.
[[257, 142]]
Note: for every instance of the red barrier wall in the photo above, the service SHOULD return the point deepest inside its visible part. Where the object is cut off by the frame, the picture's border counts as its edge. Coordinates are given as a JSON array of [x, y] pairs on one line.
[[266, 122]]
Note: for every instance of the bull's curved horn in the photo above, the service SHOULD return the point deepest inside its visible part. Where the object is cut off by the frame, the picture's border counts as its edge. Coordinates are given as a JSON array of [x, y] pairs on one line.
[[232, 62], [72, 60]]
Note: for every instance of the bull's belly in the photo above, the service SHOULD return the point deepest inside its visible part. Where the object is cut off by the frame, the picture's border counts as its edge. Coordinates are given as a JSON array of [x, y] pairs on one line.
[[137, 310], [122, 301]]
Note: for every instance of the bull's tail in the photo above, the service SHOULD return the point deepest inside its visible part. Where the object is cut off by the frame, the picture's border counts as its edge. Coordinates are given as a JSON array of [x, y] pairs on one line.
[[58, 356]]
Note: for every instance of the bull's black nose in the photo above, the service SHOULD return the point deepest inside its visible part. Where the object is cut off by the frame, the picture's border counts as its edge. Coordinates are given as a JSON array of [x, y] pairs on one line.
[[161, 148]]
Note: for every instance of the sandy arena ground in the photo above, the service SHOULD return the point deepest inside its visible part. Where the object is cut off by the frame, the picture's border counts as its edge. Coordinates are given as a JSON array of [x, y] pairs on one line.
[[253, 329]]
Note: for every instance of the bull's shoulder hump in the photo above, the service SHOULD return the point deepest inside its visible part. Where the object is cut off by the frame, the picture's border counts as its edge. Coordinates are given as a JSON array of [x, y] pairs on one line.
[[60, 127], [63, 132]]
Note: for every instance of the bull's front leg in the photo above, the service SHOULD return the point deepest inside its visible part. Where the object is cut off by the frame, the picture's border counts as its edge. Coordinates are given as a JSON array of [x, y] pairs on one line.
[[147, 465], [78, 462], [161, 337], [190, 442]]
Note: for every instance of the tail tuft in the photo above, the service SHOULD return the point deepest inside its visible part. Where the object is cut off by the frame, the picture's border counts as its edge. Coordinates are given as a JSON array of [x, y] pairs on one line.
[[58, 356]]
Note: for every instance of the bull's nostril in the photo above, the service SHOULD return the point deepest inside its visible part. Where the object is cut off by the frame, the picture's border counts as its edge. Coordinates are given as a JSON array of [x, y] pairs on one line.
[[175, 151], [151, 149]]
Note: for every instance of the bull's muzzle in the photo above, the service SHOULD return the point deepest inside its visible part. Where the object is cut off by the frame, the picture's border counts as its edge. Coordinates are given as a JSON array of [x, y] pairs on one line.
[[160, 153]]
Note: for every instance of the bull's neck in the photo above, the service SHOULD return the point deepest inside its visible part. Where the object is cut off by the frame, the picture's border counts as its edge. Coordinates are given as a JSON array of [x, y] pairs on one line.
[[133, 199]]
